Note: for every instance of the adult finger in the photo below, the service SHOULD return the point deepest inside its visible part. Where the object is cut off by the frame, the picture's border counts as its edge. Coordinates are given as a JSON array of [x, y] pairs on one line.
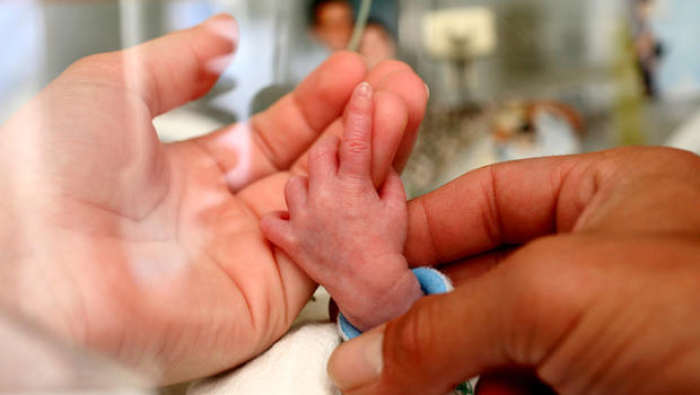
[[468, 269], [275, 139], [394, 105], [400, 109], [390, 131], [391, 128], [513, 316], [167, 72], [393, 193], [513, 203], [398, 77], [414, 93], [504, 204], [356, 146], [292, 125]]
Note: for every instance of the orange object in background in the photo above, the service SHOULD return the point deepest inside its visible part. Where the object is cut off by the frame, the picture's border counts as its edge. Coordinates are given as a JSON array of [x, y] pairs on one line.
[[332, 23]]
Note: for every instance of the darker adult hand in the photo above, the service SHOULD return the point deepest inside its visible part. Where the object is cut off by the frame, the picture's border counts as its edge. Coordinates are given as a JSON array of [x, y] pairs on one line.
[[583, 271]]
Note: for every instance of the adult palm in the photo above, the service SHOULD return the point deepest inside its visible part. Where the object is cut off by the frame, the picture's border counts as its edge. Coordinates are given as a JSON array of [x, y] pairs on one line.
[[152, 253]]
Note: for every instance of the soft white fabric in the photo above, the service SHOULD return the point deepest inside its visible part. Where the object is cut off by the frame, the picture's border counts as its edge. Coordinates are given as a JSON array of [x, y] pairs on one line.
[[687, 137], [295, 365]]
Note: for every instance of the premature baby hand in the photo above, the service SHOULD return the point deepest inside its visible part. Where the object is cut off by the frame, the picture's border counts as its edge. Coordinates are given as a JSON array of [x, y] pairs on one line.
[[345, 234]]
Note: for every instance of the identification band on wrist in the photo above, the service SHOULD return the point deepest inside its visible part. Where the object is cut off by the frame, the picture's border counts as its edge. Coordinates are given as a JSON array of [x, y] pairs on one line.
[[431, 281]]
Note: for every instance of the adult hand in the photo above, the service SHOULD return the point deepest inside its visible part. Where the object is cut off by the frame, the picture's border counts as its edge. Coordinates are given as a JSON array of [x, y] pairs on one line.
[[601, 298], [152, 253]]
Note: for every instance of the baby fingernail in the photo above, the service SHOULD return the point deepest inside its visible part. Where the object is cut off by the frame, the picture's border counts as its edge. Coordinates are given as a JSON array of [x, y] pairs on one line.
[[358, 362], [364, 89]]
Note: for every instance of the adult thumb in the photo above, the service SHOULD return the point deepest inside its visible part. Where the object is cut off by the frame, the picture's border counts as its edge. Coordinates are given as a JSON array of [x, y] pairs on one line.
[[166, 72], [499, 320]]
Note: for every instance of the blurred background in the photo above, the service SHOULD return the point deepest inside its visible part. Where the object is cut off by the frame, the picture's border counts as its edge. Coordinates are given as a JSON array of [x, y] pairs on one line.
[[508, 78]]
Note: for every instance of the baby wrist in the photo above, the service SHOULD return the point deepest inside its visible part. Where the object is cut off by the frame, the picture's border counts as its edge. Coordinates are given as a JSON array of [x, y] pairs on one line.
[[367, 308], [431, 282]]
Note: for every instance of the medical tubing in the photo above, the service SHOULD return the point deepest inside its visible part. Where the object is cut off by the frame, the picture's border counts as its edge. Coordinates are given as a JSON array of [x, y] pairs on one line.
[[360, 24]]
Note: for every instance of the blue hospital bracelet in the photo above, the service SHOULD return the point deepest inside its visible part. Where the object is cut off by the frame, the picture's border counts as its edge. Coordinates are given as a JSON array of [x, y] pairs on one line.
[[431, 281]]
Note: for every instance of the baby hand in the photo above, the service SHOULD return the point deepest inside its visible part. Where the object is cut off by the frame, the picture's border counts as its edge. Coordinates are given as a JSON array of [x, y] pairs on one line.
[[345, 234]]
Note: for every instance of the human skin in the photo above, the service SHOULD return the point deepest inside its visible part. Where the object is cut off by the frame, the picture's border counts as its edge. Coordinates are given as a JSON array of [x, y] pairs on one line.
[[377, 44], [151, 253], [601, 296], [343, 232], [334, 24]]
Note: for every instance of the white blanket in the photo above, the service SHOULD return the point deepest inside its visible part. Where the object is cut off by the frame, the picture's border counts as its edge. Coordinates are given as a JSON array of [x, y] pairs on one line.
[[295, 365]]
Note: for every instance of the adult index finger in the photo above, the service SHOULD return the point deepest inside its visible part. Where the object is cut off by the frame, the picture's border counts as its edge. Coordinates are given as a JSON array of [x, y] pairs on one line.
[[504, 204]]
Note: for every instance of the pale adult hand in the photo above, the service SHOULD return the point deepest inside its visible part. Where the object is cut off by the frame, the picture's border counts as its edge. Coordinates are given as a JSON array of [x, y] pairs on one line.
[[152, 253], [601, 298]]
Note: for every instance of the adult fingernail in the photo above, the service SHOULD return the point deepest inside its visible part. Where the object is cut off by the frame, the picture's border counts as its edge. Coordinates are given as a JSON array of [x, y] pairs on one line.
[[427, 90], [225, 26], [364, 89], [358, 362]]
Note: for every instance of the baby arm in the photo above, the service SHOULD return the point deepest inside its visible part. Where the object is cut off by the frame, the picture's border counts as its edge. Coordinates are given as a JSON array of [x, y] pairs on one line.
[[343, 232]]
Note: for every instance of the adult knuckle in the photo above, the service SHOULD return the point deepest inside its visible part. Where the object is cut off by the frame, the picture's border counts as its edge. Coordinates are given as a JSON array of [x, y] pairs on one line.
[[414, 340], [99, 65], [540, 280], [546, 293]]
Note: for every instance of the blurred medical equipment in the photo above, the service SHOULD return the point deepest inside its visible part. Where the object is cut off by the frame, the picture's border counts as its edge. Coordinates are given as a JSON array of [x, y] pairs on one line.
[[687, 136], [360, 25], [460, 36]]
